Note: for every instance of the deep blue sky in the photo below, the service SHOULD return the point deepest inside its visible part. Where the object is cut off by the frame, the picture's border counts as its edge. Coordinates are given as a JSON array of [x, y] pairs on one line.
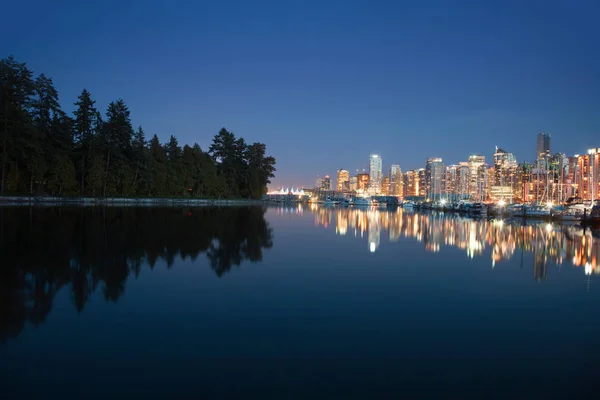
[[325, 83]]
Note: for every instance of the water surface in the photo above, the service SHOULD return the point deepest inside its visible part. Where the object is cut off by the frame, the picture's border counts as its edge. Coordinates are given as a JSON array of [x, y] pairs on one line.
[[294, 302]]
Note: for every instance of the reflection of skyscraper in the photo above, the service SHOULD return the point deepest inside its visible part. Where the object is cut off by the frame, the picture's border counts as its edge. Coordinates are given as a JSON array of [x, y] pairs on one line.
[[540, 265], [376, 174], [343, 180], [374, 230]]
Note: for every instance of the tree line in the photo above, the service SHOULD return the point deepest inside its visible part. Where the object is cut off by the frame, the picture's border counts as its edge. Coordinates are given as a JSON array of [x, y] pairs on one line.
[[91, 249], [45, 151]]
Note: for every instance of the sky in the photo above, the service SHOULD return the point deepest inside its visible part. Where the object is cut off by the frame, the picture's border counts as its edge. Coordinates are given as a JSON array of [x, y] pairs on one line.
[[326, 83]]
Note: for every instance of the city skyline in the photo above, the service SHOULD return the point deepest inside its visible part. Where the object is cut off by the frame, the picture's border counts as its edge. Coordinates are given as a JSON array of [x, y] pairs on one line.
[[552, 177], [415, 80]]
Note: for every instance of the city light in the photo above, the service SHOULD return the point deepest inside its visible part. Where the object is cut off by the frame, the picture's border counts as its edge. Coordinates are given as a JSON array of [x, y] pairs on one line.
[[502, 203], [443, 202]]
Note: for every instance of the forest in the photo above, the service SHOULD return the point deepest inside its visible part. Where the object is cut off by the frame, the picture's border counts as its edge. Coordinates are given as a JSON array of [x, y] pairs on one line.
[[46, 151], [87, 250]]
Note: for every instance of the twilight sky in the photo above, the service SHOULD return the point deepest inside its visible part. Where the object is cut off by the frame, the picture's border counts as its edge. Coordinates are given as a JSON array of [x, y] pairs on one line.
[[325, 83]]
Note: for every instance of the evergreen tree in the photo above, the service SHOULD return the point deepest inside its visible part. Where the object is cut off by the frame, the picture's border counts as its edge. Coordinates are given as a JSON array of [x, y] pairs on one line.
[[45, 151], [85, 125]]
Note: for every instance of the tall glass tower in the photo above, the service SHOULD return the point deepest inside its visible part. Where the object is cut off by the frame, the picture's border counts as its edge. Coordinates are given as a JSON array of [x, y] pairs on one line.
[[375, 174]]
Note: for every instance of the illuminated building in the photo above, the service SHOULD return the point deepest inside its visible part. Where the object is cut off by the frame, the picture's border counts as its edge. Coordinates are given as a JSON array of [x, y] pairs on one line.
[[477, 174], [375, 174], [589, 175], [396, 181], [343, 180], [422, 187], [323, 183], [353, 183], [362, 181], [463, 175], [385, 186], [504, 176], [543, 146], [434, 177], [411, 183], [572, 175]]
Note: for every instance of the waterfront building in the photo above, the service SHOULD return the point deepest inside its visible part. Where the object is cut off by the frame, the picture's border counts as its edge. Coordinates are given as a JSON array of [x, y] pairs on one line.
[[396, 181], [375, 174], [476, 184], [385, 186], [343, 180], [353, 183], [324, 183], [422, 187], [434, 177], [362, 182], [411, 184], [589, 175], [504, 173]]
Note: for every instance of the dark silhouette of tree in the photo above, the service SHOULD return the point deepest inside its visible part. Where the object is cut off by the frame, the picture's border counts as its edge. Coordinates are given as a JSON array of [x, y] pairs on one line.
[[44, 151]]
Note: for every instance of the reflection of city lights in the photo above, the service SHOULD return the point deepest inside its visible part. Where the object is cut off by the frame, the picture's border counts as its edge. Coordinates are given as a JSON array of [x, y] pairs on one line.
[[548, 243]]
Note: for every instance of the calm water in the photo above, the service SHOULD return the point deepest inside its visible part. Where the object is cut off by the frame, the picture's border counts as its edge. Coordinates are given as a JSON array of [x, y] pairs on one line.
[[300, 302]]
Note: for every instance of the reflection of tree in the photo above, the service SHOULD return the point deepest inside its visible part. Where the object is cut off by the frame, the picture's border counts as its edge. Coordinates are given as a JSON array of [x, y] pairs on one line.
[[44, 249]]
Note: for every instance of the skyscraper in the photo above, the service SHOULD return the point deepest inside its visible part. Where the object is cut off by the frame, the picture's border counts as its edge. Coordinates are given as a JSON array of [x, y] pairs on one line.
[[362, 182], [476, 162], [503, 180], [327, 183], [435, 172], [396, 181], [375, 174], [343, 180], [543, 146]]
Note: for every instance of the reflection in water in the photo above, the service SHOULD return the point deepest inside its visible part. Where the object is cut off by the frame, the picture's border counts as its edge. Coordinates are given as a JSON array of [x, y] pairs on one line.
[[45, 249], [548, 243]]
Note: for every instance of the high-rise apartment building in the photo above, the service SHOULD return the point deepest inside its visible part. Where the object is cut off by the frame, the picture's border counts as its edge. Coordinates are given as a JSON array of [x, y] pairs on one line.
[[362, 182], [396, 181], [411, 183], [385, 186], [422, 187], [343, 180], [326, 183], [477, 184], [375, 174], [504, 179], [435, 172], [543, 146], [589, 175], [464, 179], [353, 186]]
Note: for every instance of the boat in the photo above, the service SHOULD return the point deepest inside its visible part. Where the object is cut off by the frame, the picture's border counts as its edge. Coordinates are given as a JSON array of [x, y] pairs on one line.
[[362, 201], [408, 204], [331, 202]]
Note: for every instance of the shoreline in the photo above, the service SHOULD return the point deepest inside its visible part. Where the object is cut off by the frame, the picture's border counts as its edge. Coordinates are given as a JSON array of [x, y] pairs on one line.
[[117, 201]]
